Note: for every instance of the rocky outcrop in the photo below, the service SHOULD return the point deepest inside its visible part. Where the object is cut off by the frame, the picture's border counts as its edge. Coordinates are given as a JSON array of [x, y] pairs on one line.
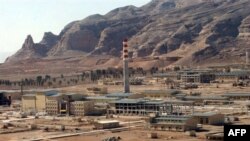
[[157, 28]]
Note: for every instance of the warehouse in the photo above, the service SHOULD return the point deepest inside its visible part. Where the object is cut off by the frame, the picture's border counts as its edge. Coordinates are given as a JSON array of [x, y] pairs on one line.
[[173, 123], [209, 118]]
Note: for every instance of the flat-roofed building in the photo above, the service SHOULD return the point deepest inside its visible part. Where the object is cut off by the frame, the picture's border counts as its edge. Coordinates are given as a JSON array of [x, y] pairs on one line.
[[189, 76], [29, 102], [54, 103], [144, 107], [173, 123], [81, 108], [209, 118], [36, 102], [106, 124], [70, 104]]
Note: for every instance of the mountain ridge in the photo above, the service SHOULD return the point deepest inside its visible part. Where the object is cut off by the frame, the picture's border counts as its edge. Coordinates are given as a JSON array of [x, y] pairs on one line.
[[197, 32]]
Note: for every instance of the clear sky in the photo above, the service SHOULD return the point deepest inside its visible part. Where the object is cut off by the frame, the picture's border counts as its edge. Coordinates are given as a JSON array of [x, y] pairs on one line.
[[18, 18]]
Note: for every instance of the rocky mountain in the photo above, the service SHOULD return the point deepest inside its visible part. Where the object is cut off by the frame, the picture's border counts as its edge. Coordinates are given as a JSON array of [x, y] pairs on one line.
[[195, 31]]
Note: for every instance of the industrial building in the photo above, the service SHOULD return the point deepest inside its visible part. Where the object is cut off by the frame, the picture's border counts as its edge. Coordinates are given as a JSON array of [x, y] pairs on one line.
[[173, 123], [81, 108], [145, 107], [209, 118], [190, 76], [232, 76], [36, 102], [54, 103], [237, 96]]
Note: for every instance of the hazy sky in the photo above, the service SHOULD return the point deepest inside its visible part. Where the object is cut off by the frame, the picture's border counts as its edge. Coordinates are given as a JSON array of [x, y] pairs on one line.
[[18, 18]]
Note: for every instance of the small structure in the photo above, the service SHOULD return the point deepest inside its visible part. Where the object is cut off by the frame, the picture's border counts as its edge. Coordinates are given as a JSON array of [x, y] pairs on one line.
[[209, 118], [97, 90], [153, 135], [173, 123], [106, 124], [215, 136]]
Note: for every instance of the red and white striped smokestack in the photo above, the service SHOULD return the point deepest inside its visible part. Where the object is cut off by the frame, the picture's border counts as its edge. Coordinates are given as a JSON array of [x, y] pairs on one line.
[[125, 49], [125, 66]]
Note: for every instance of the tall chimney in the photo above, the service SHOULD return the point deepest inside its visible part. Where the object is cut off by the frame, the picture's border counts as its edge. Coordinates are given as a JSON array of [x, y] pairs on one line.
[[125, 66]]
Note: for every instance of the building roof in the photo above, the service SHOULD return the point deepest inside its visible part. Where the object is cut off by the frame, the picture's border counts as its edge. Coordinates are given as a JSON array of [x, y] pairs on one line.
[[29, 95], [233, 73], [205, 98], [206, 114], [155, 102], [236, 94], [101, 97], [107, 121], [173, 117], [161, 91], [179, 102], [130, 101], [122, 95]]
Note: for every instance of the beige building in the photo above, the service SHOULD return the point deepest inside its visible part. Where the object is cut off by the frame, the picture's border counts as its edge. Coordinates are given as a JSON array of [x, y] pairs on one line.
[[36, 102], [209, 118], [29, 103], [81, 108], [173, 123], [106, 124], [54, 103]]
